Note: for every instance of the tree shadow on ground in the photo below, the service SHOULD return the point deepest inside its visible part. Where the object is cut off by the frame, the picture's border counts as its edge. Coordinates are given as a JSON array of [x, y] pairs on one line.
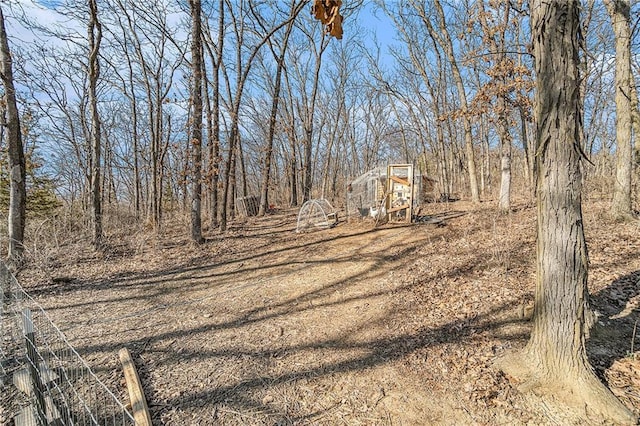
[[241, 395], [270, 360], [244, 393], [308, 241], [614, 334], [154, 277], [312, 300]]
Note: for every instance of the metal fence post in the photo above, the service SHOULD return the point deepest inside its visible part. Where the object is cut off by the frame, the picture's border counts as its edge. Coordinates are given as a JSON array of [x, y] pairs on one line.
[[33, 365]]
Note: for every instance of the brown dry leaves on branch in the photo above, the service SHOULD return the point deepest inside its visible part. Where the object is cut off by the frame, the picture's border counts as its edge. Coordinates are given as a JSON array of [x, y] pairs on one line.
[[353, 325]]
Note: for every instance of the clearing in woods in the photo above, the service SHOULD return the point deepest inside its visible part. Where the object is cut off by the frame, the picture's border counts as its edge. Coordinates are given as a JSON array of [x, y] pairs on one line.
[[353, 325]]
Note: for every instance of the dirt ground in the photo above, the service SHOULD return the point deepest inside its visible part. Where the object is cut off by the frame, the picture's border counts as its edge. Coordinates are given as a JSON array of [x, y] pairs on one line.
[[355, 325]]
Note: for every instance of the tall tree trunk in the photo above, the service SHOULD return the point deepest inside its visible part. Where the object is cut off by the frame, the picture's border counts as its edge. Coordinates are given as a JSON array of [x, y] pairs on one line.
[[555, 357], [196, 120], [233, 180], [243, 171], [619, 12], [156, 143], [213, 148], [213, 118], [134, 136], [485, 165], [307, 181], [524, 134], [293, 166], [161, 176], [505, 163], [94, 33], [229, 186], [17, 167], [268, 154], [266, 171], [136, 158], [441, 147], [307, 178]]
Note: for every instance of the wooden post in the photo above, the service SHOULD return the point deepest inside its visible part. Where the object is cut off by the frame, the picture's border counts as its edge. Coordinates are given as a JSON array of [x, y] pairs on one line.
[[4, 286], [33, 363], [136, 394]]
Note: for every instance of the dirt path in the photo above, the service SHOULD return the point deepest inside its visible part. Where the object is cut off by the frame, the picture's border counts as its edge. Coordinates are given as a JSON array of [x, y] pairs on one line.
[[352, 325]]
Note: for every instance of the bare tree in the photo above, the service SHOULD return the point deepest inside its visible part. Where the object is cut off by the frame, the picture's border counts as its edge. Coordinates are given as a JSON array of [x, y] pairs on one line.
[[196, 120], [296, 7], [442, 37], [214, 50], [423, 59], [555, 357], [242, 67], [308, 107], [94, 35], [17, 167], [58, 80], [619, 11], [155, 56], [127, 85], [495, 35], [291, 152]]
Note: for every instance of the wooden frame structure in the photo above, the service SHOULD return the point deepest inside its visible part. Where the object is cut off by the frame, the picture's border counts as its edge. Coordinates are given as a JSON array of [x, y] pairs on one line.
[[400, 192], [392, 192]]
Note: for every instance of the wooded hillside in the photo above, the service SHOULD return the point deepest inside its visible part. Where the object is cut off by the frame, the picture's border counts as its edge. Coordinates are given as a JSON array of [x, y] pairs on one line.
[[146, 129], [290, 113]]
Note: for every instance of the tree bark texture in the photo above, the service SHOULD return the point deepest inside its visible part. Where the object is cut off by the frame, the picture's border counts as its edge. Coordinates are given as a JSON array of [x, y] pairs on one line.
[[557, 339], [555, 353], [17, 167]]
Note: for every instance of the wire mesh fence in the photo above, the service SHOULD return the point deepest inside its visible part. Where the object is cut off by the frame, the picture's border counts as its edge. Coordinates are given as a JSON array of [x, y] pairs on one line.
[[316, 214], [46, 380]]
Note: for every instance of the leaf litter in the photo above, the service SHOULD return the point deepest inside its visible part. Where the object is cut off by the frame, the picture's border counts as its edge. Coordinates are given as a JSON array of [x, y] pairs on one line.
[[353, 325]]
